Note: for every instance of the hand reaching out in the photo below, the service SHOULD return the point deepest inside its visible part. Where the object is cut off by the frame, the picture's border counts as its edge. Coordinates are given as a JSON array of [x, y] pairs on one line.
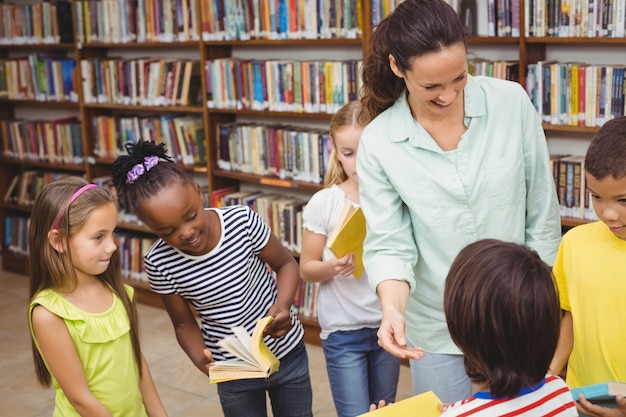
[[391, 337]]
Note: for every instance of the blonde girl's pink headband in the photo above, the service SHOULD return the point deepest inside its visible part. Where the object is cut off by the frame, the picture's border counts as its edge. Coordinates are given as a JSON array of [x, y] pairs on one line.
[[55, 225]]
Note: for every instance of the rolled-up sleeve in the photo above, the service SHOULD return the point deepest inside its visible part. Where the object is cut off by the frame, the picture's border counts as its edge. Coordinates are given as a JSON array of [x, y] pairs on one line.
[[543, 231], [389, 251]]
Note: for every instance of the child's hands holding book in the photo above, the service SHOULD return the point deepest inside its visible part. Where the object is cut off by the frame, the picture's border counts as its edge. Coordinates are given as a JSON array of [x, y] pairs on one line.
[[281, 324], [593, 410], [344, 266]]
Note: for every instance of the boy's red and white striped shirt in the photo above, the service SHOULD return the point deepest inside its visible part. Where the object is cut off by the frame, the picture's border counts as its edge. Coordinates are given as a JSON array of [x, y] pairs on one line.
[[551, 398]]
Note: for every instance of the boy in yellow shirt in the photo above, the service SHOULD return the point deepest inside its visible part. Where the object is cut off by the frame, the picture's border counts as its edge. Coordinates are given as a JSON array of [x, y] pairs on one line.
[[590, 271]]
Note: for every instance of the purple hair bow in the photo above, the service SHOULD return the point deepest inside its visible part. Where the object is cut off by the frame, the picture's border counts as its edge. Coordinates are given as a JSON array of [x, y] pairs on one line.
[[138, 170]]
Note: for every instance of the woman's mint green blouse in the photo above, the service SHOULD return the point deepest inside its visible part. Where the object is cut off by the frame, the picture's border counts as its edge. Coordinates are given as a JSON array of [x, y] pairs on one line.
[[423, 205], [103, 344]]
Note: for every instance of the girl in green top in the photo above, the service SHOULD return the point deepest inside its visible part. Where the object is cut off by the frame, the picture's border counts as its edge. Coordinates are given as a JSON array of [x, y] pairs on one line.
[[82, 318]]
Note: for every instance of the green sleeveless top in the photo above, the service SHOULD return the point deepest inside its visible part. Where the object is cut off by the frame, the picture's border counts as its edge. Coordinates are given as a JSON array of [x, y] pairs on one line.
[[103, 344]]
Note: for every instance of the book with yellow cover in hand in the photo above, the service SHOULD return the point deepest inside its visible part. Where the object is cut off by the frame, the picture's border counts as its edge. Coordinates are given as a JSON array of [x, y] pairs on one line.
[[349, 235], [421, 405], [256, 360]]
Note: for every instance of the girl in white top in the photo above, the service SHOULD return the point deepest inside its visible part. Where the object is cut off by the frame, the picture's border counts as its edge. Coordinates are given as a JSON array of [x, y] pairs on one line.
[[349, 313]]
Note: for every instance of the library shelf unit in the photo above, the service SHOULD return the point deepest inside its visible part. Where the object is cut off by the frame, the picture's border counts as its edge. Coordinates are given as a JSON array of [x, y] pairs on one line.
[[526, 50]]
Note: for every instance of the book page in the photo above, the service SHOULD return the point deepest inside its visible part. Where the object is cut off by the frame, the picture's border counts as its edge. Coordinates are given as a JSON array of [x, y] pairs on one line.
[[263, 355], [239, 345], [422, 405]]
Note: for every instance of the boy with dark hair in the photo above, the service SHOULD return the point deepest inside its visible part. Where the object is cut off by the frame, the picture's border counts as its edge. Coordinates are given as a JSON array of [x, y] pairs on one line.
[[502, 311], [590, 271]]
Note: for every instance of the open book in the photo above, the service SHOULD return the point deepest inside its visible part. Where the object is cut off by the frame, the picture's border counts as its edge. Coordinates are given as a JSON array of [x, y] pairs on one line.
[[603, 393], [348, 236], [422, 405], [255, 358]]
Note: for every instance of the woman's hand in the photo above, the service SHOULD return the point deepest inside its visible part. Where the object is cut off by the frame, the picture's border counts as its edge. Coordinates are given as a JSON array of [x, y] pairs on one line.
[[394, 295], [391, 337]]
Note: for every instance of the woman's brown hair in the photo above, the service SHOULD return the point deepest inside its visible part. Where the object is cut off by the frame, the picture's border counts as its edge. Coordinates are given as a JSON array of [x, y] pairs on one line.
[[415, 28]]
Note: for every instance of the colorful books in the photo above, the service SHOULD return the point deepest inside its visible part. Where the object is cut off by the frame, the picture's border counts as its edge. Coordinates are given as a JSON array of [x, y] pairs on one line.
[[422, 405], [349, 235], [255, 360]]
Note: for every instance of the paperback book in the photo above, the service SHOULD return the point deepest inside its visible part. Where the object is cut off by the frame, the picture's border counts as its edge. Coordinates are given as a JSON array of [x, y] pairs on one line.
[[254, 358]]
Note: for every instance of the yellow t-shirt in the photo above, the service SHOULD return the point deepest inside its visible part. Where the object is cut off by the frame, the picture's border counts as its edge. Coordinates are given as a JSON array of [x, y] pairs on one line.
[[103, 344], [590, 271]]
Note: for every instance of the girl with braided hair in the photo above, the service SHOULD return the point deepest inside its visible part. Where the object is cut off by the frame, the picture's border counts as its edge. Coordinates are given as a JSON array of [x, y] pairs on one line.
[[214, 261]]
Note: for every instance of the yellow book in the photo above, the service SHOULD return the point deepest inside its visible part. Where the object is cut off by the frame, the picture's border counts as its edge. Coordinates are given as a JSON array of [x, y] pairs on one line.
[[422, 405], [349, 235], [256, 360]]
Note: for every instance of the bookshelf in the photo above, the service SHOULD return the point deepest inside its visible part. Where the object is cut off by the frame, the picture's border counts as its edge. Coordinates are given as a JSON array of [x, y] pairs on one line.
[[201, 36]]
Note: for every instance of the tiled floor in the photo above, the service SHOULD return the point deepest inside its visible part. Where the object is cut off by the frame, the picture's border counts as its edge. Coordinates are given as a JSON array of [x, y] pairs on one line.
[[184, 390]]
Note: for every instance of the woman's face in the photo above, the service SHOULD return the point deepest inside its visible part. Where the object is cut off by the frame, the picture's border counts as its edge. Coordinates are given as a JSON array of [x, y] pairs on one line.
[[435, 81]]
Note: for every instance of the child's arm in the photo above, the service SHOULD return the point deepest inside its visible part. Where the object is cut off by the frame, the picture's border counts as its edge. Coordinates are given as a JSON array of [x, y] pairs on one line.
[[287, 282], [312, 268], [565, 345], [60, 354], [187, 331], [150, 396]]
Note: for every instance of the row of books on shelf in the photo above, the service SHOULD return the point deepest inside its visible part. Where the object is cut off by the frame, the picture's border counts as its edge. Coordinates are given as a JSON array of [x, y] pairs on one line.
[[25, 187], [505, 70], [280, 19], [282, 85], [499, 18], [305, 300], [572, 190], [123, 21], [132, 248], [44, 76], [285, 152], [143, 81], [34, 23], [282, 213], [576, 18], [16, 234], [183, 136], [56, 141], [576, 94]]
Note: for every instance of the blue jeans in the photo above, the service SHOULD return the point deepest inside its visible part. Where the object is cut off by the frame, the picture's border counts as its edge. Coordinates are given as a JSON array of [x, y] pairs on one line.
[[443, 374], [289, 390], [360, 372]]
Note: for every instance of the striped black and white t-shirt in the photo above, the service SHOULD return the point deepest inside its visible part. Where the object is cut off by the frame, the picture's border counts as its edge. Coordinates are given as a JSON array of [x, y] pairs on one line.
[[229, 286]]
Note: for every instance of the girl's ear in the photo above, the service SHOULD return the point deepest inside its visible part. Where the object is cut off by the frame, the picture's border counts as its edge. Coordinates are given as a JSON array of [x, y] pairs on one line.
[[56, 241], [200, 193]]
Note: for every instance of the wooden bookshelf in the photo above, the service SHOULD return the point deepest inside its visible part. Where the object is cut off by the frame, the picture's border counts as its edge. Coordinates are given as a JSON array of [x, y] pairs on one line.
[[528, 50]]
